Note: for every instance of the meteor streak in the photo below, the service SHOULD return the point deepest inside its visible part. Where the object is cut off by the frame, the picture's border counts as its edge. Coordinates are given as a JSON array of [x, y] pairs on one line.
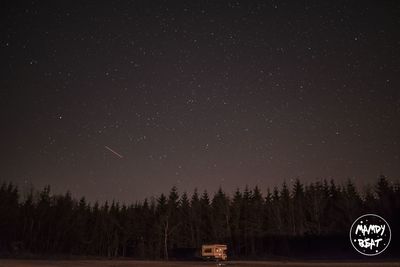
[[114, 152]]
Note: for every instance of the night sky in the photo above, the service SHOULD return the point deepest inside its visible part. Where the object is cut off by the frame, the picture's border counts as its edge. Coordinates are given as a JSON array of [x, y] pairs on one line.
[[126, 99]]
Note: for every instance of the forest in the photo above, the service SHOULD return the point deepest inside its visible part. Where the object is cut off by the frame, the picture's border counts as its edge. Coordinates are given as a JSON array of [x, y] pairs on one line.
[[300, 221]]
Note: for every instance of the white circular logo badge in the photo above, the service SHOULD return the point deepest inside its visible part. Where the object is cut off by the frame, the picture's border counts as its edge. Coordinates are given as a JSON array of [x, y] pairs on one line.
[[370, 234]]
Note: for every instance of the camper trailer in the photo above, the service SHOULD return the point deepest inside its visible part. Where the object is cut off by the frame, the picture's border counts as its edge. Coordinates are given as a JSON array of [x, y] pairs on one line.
[[214, 252]]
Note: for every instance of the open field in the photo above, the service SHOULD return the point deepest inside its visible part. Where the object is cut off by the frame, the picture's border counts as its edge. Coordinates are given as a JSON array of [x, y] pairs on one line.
[[126, 263]]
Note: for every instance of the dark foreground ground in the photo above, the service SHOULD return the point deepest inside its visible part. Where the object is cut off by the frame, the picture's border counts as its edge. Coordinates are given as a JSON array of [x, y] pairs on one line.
[[126, 263]]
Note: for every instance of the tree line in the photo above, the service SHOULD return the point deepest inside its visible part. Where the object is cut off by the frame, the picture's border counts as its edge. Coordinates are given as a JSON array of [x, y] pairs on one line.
[[287, 221]]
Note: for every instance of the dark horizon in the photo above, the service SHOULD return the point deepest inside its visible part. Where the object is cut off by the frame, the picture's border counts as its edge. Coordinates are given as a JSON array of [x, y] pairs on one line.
[[25, 190], [303, 222], [125, 100]]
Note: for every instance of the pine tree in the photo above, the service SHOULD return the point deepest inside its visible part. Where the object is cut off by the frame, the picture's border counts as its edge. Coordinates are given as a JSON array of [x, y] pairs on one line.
[[352, 203], [195, 218], [276, 213], [256, 217], [185, 223], [172, 221], [162, 219], [286, 210], [9, 209], [27, 221], [205, 219], [235, 211], [299, 218], [220, 217]]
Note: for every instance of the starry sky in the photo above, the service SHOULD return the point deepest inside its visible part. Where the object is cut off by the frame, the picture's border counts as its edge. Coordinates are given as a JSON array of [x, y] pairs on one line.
[[124, 99]]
